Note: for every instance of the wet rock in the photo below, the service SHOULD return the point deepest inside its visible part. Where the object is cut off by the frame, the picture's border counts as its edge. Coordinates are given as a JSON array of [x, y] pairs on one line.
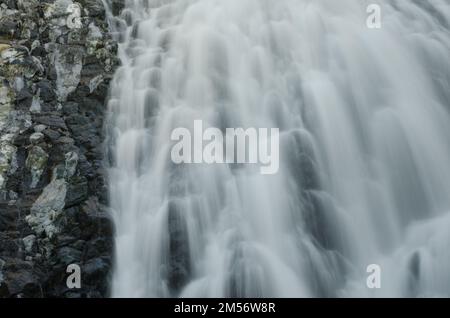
[[94, 8], [179, 266], [97, 218], [29, 6], [9, 244], [117, 6], [11, 4], [94, 269], [70, 108], [99, 246], [46, 91], [77, 192]]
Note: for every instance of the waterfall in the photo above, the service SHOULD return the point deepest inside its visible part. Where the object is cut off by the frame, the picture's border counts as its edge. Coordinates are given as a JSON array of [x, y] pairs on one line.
[[364, 125]]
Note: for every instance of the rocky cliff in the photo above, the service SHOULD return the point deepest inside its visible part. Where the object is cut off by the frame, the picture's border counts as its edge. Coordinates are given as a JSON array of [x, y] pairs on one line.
[[56, 61]]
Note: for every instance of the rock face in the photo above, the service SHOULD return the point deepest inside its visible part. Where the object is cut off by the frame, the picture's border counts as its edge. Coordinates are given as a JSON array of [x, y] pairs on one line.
[[56, 61]]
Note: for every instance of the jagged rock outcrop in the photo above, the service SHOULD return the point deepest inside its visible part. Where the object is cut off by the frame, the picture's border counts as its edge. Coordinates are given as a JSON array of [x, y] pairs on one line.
[[56, 61]]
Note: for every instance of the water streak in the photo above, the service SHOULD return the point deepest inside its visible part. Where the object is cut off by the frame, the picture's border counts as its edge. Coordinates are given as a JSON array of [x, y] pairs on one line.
[[365, 148]]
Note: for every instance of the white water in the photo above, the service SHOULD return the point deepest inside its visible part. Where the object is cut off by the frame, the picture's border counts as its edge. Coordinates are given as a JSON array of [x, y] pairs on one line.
[[365, 149]]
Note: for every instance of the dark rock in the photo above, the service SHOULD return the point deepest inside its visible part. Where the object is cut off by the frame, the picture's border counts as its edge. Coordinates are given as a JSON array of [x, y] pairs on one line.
[[51, 121], [19, 278], [39, 51], [95, 8], [53, 135], [91, 70], [46, 91], [72, 294], [11, 4], [51, 72], [9, 243], [94, 269], [24, 94], [8, 28], [68, 255], [70, 108], [77, 192], [81, 92], [179, 265], [75, 120], [65, 140], [97, 219], [65, 240], [117, 6], [8, 215], [93, 105], [4, 291], [99, 247]]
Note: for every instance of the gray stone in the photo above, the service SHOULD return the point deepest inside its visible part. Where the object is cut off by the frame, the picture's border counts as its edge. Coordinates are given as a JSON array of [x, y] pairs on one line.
[[71, 164], [48, 208], [39, 128], [35, 104], [77, 192], [46, 91], [70, 108], [7, 158], [52, 134], [51, 121], [28, 243], [19, 278], [94, 269], [68, 255], [43, 62], [36, 138], [68, 63], [36, 163]]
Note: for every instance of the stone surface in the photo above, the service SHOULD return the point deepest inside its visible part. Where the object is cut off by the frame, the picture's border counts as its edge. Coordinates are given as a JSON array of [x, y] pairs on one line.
[[36, 163], [54, 79], [47, 208]]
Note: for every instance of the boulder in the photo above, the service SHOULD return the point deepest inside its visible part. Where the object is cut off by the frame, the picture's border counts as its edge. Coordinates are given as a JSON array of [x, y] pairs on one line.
[[47, 208]]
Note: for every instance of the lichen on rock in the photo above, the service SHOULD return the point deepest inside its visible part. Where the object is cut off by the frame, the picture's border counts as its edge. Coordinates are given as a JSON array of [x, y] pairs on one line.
[[36, 163], [47, 208], [54, 76], [7, 149], [7, 158], [68, 62]]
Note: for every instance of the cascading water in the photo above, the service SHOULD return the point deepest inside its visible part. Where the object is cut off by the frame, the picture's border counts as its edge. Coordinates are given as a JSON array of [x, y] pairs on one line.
[[364, 148]]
